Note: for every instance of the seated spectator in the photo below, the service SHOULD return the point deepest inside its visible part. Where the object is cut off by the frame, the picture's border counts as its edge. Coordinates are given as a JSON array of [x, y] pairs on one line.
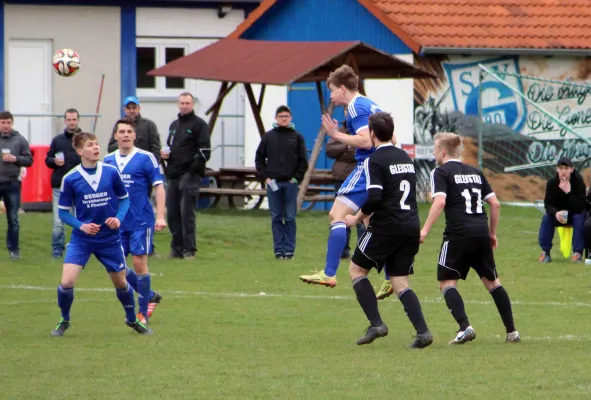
[[587, 228], [565, 206]]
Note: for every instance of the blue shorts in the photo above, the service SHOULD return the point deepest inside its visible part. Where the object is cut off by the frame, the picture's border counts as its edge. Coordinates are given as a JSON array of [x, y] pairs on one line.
[[109, 254], [138, 242], [353, 191]]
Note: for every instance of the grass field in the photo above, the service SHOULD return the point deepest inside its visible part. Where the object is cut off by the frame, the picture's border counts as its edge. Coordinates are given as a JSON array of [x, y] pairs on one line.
[[218, 337]]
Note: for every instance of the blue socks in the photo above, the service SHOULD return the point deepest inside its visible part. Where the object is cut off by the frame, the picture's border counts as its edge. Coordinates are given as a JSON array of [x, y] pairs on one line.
[[131, 277], [127, 300], [144, 293], [65, 298], [337, 239]]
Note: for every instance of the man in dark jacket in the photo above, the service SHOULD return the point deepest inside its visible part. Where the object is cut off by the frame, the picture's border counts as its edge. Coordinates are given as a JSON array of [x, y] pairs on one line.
[[61, 157], [15, 155], [281, 159], [587, 227], [343, 165], [147, 136], [188, 150], [565, 205]]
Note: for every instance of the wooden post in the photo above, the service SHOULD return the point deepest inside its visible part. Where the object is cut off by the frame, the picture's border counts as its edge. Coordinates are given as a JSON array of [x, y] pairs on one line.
[[353, 64], [217, 106], [256, 111], [221, 96], [317, 147], [261, 96]]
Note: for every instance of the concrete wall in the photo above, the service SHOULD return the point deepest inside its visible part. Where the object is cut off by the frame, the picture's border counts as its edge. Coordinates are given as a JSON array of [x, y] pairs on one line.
[[94, 32]]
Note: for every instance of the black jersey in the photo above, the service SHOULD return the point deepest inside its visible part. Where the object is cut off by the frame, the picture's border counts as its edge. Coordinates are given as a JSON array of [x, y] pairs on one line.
[[465, 188], [391, 185]]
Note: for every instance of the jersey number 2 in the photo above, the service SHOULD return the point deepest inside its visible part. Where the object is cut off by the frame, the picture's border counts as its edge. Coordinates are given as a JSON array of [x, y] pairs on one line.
[[405, 189], [468, 197]]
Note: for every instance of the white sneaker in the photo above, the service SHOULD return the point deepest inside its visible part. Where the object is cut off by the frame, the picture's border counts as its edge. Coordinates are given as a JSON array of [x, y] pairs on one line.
[[464, 336], [513, 337]]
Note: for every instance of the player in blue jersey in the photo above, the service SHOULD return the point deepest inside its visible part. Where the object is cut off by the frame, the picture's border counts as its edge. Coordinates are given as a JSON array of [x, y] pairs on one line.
[[140, 172], [344, 90], [98, 195]]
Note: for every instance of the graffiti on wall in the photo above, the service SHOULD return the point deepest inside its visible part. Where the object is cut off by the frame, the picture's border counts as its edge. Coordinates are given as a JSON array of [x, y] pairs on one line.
[[533, 111]]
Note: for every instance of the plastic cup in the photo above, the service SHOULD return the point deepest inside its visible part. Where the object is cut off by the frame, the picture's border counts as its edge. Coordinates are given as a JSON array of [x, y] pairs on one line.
[[273, 185], [59, 156]]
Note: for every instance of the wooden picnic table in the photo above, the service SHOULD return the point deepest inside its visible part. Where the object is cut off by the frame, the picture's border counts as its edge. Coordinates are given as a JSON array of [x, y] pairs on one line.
[[233, 182]]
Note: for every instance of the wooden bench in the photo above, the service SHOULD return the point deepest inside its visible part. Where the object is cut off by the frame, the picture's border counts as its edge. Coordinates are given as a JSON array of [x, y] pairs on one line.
[[246, 183], [218, 193]]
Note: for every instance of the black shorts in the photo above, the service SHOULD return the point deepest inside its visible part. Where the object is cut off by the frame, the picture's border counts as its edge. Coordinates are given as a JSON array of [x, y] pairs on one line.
[[395, 253], [459, 254]]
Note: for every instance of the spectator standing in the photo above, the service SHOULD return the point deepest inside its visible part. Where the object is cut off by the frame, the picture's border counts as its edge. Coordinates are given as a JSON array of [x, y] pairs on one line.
[[147, 136], [187, 152], [61, 157], [281, 159], [343, 165], [565, 205], [15, 155]]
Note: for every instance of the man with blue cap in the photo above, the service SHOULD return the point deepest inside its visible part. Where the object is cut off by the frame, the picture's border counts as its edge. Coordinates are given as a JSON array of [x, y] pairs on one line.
[[147, 136]]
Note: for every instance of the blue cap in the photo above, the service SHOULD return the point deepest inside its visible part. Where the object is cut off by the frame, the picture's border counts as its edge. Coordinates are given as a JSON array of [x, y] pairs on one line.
[[131, 99]]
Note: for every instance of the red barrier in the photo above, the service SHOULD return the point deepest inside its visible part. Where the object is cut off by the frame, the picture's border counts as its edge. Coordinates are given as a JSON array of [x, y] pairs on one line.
[[36, 185]]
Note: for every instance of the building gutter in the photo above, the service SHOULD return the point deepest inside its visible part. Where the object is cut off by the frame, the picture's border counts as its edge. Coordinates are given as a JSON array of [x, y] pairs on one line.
[[483, 51]]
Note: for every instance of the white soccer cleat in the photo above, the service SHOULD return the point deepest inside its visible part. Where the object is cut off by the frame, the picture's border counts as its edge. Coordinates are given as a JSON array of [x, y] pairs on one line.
[[464, 336], [513, 337]]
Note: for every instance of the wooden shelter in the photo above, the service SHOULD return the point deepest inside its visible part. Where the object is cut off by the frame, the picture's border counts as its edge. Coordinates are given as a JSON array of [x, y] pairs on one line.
[[247, 62]]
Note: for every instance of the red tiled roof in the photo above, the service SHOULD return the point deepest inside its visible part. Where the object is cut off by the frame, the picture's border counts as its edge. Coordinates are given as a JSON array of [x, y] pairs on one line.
[[511, 24], [282, 63], [535, 24]]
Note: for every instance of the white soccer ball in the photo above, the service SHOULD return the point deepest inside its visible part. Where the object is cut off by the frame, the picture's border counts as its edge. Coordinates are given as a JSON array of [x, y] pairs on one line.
[[66, 62]]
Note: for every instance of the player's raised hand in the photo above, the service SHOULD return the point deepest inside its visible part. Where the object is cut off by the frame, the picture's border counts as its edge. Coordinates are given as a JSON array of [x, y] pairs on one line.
[[113, 223], [494, 242], [330, 125], [90, 229], [160, 224]]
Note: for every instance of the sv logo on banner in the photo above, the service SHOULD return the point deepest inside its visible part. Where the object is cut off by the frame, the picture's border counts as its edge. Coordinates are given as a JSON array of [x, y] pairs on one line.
[[500, 105]]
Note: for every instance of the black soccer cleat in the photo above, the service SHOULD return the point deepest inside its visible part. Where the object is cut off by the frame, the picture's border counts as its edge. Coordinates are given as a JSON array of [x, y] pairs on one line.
[[372, 333], [139, 327], [61, 327], [422, 340]]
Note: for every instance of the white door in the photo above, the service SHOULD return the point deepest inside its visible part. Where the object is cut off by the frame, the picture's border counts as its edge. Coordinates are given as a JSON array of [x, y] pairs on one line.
[[29, 88]]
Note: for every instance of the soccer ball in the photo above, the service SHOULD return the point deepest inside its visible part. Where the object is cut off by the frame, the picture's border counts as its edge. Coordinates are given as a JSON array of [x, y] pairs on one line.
[[66, 62]]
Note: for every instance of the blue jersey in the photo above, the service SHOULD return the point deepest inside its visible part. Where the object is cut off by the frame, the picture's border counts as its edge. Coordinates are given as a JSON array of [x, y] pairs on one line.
[[140, 172], [95, 199], [358, 112]]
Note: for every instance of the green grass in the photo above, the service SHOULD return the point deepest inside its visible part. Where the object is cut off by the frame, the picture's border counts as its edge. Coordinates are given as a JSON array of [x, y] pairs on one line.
[[216, 337]]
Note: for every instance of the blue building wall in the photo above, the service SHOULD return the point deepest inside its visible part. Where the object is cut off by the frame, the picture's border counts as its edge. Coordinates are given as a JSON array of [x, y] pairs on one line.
[[321, 20], [128, 53]]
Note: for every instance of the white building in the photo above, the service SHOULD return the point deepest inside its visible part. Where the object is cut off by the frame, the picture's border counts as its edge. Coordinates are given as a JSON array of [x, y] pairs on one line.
[[121, 40]]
